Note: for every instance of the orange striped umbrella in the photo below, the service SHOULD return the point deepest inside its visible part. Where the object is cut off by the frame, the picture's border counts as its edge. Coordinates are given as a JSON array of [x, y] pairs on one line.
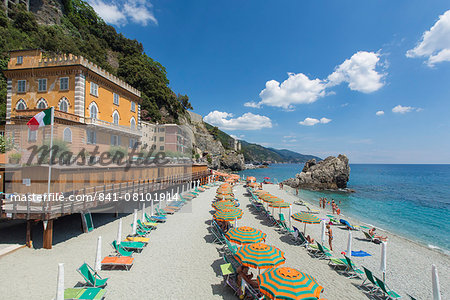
[[228, 214], [306, 218], [221, 205], [245, 235], [288, 283], [260, 256]]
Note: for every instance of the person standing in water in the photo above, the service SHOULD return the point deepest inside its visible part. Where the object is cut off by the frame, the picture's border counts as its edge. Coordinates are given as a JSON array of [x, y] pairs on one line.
[[330, 236]]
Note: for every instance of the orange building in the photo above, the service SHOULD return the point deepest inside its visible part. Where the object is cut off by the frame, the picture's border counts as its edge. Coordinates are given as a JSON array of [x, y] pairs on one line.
[[92, 106]]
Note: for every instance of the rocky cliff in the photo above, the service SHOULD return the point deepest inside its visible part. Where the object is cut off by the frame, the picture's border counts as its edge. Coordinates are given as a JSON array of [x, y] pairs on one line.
[[232, 160], [332, 173]]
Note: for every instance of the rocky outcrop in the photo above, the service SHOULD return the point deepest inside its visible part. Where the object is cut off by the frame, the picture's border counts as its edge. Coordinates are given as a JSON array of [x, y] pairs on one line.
[[331, 173], [233, 161]]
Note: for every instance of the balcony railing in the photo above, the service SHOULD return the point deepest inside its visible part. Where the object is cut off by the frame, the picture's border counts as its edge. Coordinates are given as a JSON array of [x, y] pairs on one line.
[[111, 126]]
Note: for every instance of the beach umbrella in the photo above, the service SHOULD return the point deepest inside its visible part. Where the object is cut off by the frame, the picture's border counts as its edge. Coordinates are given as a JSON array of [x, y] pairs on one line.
[[260, 256], [324, 236], [280, 205], [119, 232], [143, 212], [222, 206], [228, 214], [288, 283], [306, 218], [135, 221], [245, 235], [290, 214], [152, 208], [435, 280], [98, 255], [235, 222], [383, 259], [349, 244], [60, 282]]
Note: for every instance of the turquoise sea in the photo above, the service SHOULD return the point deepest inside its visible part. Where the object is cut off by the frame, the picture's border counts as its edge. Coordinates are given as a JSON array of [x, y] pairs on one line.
[[410, 200]]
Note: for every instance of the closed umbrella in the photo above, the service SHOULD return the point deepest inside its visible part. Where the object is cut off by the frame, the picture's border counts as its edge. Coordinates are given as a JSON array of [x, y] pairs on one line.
[[60, 282], [383, 259], [119, 232], [324, 236], [143, 212], [290, 215], [135, 221], [98, 256], [349, 244], [435, 280]]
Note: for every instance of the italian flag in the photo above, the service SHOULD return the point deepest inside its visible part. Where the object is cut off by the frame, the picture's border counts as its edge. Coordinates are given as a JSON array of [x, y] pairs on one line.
[[41, 119]]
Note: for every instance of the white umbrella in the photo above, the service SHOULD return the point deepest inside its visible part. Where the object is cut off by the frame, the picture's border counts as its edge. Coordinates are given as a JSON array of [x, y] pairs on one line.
[[60, 283], [182, 189], [290, 215], [383, 259], [323, 232], [235, 223], [152, 207], [178, 190], [349, 244], [135, 222], [143, 212], [119, 232], [435, 280], [98, 256]]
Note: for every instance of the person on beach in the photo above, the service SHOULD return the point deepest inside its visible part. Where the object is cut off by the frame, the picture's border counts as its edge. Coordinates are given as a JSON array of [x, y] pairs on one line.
[[309, 239], [338, 210], [330, 237], [243, 274], [296, 191], [333, 207], [372, 234], [224, 225]]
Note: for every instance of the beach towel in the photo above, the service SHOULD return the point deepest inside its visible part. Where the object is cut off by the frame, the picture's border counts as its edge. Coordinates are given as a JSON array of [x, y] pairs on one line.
[[360, 253]]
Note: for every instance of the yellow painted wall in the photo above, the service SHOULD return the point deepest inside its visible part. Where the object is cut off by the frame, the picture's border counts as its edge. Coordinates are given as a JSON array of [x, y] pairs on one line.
[[106, 106]]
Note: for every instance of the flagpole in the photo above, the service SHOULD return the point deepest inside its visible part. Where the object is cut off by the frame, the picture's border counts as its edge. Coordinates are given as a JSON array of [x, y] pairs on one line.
[[52, 116]]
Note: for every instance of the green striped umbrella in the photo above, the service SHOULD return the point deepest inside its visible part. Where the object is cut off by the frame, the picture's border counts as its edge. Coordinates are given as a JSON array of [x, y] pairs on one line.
[[280, 205], [228, 214], [222, 206], [260, 256], [305, 218], [245, 235], [287, 283]]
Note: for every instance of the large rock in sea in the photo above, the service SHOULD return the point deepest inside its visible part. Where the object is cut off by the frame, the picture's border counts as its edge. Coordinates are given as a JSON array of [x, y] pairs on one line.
[[332, 173], [233, 161]]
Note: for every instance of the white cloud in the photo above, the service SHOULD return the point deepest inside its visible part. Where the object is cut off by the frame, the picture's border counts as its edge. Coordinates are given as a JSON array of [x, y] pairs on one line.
[[405, 109], [252, 104], [379, 113], [119, 13], [247, 121], [312, 121], [359, 72], [435, 43], [297, 89]]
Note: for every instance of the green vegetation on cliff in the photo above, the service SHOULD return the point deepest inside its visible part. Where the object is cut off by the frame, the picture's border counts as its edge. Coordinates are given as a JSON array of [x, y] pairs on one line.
[[82, 32]]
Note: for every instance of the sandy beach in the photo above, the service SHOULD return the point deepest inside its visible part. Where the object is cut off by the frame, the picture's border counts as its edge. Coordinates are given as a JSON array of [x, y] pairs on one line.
[[181, 262]]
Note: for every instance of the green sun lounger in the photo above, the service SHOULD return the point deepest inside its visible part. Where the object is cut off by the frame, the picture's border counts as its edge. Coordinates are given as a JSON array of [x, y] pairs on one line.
[[322, 253], [132, 246], [232, 248], [370, 279], [120, 250], [390, 294], [84, 293], [91, 277], [352, 270]]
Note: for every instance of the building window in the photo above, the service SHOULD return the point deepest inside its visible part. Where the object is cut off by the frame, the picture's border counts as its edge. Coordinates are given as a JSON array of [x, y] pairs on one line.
[[42, 104], [42, 85], [132, 123], [21, 105], [67, 135], [161, 148], [64, 83], [64, 104], [32, 135], [115, 140], [133, 106], [116, 117], [19, 60], [91, 137], [116, 99], [161, 139], [94, 89], [133, 143], [21, 86], [93, 110], [161, 129]]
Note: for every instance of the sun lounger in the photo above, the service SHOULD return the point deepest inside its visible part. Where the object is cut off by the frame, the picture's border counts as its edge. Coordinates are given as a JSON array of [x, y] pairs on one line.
[[323, 253], [347, 224], [352, 270], [147, 225], [369, 280], [159, 219], [91, 277], [371, 238], [113, 262], [132, 246], [84, 293], [232, 248], [137, 239], [121, 251], [390, 294], [217, 233]]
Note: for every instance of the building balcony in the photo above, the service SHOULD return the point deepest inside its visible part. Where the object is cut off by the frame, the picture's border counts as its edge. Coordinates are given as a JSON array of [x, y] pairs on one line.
[[29, 113], [113, 128]]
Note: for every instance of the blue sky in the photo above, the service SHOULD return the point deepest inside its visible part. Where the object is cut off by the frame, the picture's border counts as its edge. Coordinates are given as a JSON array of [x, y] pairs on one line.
[[309, 76]]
